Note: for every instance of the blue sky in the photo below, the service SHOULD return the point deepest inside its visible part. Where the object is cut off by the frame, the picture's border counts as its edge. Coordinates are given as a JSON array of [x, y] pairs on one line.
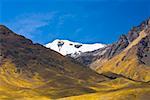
[[86, 21]]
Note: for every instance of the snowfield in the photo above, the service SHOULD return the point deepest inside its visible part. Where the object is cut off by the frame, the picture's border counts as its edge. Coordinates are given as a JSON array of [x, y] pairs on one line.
[[66, 47]]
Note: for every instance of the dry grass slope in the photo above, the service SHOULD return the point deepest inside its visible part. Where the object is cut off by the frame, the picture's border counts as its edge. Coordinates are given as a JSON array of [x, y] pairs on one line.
[[126, 63], [118, 89]]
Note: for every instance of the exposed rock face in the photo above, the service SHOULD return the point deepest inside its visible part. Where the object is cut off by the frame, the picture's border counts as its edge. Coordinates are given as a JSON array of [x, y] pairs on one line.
[[144, 50], [118, 46], [125, 40], [88, 57], [104, 53], [134, 32]]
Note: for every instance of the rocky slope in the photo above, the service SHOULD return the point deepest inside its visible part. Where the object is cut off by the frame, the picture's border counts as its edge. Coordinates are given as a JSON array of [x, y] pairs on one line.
[[111, 50], [129, 56], [31, 70], [127, 63]]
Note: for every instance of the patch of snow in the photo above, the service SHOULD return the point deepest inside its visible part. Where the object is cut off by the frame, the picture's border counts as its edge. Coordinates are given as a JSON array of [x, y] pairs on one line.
[[66, 47]]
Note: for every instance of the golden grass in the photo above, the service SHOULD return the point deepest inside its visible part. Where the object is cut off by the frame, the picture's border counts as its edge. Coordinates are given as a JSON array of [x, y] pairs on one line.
[[118, 89], [13, 87], [130, 94], [17, 86]]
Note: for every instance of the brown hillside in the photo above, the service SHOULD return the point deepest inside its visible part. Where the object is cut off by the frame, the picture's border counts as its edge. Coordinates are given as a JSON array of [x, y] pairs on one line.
[[28, 69]]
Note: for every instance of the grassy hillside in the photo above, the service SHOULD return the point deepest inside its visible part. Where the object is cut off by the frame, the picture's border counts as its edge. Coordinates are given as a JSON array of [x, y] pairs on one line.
[[118, 89], [31, 70]]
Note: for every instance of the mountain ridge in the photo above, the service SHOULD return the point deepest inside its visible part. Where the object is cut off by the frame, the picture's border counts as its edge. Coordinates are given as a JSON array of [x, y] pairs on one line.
[[113, 49], [107, 59]]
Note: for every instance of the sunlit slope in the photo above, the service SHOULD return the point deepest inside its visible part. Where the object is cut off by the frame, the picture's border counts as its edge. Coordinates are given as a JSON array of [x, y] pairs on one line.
[[127, 63], [29, 70], [118, 89]]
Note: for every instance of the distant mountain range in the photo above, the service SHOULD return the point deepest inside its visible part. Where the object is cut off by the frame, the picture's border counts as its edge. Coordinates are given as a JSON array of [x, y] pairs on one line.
[[66, 47], [66, 70]]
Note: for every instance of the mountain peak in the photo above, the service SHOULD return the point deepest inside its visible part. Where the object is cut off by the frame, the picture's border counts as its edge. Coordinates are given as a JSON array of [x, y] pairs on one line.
[[4, 30], [66, 47]]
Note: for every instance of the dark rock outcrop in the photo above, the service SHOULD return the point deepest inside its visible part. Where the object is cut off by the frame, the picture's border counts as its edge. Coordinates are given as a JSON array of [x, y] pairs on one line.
[[143, 52]]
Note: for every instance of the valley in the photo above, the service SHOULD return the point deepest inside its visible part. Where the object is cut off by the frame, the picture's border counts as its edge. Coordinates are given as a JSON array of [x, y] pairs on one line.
[[119, 71]]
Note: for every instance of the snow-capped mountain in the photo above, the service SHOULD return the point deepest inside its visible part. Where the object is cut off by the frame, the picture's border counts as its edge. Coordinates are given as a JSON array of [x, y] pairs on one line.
[[66, 47]]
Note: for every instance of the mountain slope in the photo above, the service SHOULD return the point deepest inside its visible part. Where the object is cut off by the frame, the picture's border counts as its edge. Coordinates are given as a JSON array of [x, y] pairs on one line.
[[96, 58], [74, 49], [127, 62], [31, 70], [133, 60], [129, 56]]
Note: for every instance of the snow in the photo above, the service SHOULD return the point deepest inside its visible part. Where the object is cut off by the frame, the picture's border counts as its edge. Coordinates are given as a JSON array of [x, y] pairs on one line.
[[66, 47]]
